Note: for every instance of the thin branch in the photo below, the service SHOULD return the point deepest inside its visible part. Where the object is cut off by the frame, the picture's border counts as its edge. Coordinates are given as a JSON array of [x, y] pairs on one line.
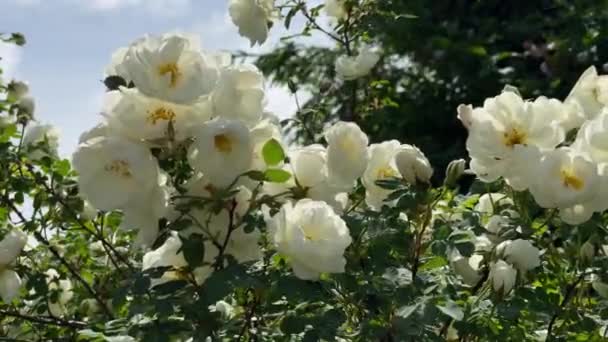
[[47, 320], [569, 294]]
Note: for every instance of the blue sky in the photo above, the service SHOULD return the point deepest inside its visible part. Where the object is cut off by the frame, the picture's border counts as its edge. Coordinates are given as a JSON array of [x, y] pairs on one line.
[[69, 43]]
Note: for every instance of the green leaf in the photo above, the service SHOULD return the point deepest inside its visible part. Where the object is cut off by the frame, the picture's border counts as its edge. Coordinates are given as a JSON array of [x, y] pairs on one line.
[[452, 309], [277, 175], [389, 184], [256, 175], [273, 152], [434, 262], [406, 311], [193, 248]]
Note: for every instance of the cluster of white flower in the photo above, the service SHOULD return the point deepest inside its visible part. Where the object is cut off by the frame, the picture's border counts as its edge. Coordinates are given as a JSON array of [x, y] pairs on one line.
[[10, 248], [180, 95], [506, 258], [255, 17], [525, 142]]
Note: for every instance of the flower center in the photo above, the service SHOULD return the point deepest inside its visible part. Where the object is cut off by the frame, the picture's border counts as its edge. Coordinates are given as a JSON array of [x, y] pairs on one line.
[[119, 168], [514, 137], [160, 114], [310, 233], [386, 172], [173, 70], [223, 143], [571, 180]]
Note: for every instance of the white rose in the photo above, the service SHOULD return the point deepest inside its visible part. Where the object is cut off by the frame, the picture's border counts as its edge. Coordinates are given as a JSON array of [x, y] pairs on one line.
[[312, 236], [309, 165], [520, 253], [346, 153], [240, 94], [99, 130], [244, 247], [565, 178], [413, 165], [350, 68], [252, 17], [503, 276], [41, 140], [64, 287], [10, 248], [133, 115], [171, 67], [590, 92], [381, 166], [222, 150], [167, 255], [114, 172], [504, 134], [467, 268], [490, 201]]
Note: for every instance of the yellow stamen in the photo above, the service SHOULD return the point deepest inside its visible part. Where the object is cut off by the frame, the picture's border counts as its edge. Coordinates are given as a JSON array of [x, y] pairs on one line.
[[571, 180], [514, 137], [173, 70], [160, 114], [120, 168], [223, 143], [386, 172]]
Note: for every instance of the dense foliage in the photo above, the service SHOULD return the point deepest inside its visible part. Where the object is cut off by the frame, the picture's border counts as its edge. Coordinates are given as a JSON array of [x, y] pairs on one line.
[[184, 215], [439, 54]]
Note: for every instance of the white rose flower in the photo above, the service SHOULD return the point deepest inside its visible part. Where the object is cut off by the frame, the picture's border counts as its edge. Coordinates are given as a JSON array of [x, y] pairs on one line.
[[261, 133], [144, 212], [45, 136], [488, 202], [521, 253], [501, 132], [169, 254], [113, 172], [312, 236], [590, 92], [467, 268], [565, 178], [413, 165], [381, 166], [244, 247], [503, 276], [350, 68], [117, 66], [309, 166], [222, 150], [63, 287], [335, 9], [346, 153], [10, 248], [591, 138], [240, 94], [225, 309], [99, 130], [136, 116], [171, 67], [252, 17]]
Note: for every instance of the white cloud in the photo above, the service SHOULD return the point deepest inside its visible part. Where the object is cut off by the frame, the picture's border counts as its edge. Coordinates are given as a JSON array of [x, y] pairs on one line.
[[11, 56]]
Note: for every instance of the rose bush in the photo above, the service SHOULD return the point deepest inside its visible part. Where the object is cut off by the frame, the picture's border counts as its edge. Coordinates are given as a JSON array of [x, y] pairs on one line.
[[185, 215]]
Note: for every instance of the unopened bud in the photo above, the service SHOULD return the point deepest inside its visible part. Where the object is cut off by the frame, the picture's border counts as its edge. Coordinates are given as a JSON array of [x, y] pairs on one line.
[[16, 90], [26, 107], [454, 171], [587, 251]]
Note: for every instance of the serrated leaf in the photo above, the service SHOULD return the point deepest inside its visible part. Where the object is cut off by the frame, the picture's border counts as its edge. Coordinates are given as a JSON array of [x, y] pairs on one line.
[[256, 175], [273, 152]]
